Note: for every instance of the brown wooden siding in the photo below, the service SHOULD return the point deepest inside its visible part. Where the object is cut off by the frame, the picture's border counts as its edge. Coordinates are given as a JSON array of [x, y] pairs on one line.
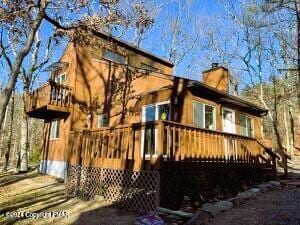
[[100, 86]]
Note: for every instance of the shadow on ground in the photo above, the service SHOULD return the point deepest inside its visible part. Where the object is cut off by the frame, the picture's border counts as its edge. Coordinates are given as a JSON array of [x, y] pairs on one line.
[[36, 193]]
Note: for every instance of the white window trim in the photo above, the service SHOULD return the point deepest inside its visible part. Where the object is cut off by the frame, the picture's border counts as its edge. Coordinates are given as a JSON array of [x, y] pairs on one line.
[[147, 156], [233, 118], [101, 114], [58, 124], [214, 114], [59, 76]]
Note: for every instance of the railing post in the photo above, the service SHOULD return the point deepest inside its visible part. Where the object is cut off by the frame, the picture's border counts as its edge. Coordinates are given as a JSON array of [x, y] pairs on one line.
[[160, 144], [51, 92]]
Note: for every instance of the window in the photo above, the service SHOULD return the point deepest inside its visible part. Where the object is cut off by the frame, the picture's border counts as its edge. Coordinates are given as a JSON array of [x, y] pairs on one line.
[[246, 125], [158, 111], [59, 93], [228, 119], [60, 79], [204, 115], [113, 56], [102, 120], [148, 67], [54, 129]]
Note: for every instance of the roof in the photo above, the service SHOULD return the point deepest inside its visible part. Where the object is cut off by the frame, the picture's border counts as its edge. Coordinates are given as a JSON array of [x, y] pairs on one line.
[[132, 47], [224, 98], [200, 89]]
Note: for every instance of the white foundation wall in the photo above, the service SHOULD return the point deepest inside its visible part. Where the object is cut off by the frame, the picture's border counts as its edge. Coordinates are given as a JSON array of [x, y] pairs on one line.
[[54, 168]]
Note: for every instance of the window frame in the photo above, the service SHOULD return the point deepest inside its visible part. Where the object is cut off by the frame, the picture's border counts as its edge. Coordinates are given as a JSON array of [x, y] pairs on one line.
[[57, 129], [251, 125], [114, 53], [143, 133], [147, 67], [233, 118], [214, 115], [98, 120], [58, 77]]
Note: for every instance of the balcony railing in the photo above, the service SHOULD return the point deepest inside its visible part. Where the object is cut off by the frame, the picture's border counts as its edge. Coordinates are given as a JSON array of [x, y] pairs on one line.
[[50, 96], [147, 145]]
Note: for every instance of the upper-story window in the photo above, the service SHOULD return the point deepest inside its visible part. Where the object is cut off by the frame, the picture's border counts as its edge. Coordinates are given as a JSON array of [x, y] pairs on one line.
[[204, 115], [148, 67], [60, 79], [114, 56], [246, 125]]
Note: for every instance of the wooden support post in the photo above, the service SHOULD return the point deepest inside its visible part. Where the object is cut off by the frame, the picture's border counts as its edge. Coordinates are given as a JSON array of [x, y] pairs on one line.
[[160, 144]]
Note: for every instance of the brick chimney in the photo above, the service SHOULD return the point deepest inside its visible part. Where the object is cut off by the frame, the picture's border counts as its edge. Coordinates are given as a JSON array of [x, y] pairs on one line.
[[216, 77]]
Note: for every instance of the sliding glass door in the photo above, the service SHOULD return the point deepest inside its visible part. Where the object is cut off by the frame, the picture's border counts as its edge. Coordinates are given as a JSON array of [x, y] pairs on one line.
[[158, 111]]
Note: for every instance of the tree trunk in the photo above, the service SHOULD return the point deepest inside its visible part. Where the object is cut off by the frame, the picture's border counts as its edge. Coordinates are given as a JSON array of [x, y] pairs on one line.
[[24, 144], [10, 132], [287, 130], [2, 152], [15, 69]]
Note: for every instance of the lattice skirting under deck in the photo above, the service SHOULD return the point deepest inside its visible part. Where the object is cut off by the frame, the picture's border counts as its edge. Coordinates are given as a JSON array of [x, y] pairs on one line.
[[132, 190]]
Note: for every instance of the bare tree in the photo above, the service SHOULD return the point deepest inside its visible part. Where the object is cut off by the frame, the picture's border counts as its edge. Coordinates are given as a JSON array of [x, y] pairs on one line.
[[180, 34], [253, 41], [20, 50]]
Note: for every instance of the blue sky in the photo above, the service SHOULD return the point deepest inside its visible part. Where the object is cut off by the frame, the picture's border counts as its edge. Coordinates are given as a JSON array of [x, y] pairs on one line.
[[207, 13], [154, 41]]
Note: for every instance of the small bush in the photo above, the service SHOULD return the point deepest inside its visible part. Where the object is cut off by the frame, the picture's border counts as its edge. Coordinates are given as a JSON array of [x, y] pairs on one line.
[[35, 157]]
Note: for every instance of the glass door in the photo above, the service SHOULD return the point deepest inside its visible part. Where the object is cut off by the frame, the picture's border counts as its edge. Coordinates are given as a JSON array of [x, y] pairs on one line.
[[230, 144], [158, 111]]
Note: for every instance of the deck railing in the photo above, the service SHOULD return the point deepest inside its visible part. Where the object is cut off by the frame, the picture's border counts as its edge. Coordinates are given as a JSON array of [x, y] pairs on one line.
[[146, 145], [50, 93]]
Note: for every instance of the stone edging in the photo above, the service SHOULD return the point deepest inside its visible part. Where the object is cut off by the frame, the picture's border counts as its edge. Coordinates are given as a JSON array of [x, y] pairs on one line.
[[213, 209]]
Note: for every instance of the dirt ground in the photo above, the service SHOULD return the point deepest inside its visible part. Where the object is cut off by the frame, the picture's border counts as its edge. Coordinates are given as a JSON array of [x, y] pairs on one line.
[[277, 207], [37, 193]]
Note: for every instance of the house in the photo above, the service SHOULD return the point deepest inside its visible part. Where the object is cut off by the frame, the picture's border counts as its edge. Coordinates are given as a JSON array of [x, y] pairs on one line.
[[109, 104]]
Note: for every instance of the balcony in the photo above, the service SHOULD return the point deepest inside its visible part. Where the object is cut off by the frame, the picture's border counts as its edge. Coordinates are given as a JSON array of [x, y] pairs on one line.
[[50, 101]]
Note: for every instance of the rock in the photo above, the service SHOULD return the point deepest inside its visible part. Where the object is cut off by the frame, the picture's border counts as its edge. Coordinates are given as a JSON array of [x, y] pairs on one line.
[[275, 183], [200, 217], [236, 201], [255, 190], [246, 195], [212, 208], [173, 218], [182, 214], [263, 187], [164, 210], [224, 205]]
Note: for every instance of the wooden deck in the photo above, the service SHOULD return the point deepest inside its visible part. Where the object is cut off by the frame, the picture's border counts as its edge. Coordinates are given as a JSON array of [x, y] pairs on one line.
[[49, 101], [147, 145]]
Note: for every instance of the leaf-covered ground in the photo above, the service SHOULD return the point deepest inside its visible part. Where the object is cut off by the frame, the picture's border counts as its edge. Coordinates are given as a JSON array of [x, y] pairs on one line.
[[277, 207], [35, 193]]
